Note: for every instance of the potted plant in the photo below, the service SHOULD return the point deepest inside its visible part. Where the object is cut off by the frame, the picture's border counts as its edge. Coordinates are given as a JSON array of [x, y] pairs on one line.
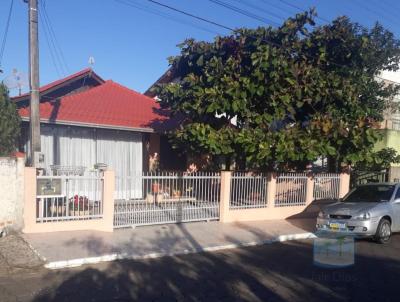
[[155, 187]]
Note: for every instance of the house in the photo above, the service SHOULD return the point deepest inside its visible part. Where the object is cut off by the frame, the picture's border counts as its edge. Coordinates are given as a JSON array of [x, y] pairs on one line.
[[390, 126], [86, 120]]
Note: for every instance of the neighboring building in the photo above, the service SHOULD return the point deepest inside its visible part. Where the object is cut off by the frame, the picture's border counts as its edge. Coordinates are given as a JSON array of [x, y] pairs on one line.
[[391, 123], [390, 126], [86, 120]]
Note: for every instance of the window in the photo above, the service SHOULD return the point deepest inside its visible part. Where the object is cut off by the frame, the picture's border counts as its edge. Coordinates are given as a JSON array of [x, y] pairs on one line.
[[370, 193], [396, 124]]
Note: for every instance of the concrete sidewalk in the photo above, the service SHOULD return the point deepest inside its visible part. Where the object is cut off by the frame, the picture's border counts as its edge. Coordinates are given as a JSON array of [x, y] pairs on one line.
[[68, 249]]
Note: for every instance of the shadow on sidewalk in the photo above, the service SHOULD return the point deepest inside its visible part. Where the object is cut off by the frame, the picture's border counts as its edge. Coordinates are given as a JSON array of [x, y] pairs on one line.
[[307, 219]]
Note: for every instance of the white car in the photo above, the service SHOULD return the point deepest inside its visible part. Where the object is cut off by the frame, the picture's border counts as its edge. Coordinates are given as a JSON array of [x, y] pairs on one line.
[[371, 210]]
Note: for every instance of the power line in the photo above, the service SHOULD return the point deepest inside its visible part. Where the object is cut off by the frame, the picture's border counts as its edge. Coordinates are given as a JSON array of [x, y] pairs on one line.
[[3, 43], [211, 22], [299, 9], [55, 40], [243, 12], [278, 7], [49, 45], [291, 5], [163, 15], [374, 12], [231, 29], [259, 8], [53, 37], [191, 15], [384, 13]]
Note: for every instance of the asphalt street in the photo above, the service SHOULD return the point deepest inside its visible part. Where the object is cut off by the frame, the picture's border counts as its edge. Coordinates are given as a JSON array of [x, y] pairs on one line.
[[274, 272]]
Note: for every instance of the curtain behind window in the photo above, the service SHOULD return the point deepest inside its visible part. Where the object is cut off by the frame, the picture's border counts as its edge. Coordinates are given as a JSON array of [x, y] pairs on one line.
[[78, 146]]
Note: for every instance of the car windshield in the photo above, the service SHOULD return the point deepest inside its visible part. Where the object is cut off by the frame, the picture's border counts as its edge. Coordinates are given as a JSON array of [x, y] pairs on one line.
[[373, 193]]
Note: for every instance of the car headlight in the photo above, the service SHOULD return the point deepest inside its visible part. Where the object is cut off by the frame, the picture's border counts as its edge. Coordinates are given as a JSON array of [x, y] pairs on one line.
[[322, 214], [363, 216]]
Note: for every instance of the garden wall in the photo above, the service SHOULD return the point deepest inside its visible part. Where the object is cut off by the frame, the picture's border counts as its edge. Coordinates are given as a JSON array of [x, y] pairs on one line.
[[11, 192]]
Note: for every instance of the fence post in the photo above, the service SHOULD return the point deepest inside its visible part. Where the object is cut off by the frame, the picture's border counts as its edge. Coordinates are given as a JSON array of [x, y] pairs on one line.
[[29, 213], [344, 184], [108, 201], [271, 188], [225, 195], [310, 188]]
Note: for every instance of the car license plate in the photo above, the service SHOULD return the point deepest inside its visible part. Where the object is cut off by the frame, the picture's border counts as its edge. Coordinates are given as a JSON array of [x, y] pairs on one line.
[[337, 226]]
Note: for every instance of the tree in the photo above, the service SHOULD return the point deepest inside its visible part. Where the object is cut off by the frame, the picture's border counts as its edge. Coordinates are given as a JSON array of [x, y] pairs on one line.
[[298, 92], [9, 123], [379, 160]]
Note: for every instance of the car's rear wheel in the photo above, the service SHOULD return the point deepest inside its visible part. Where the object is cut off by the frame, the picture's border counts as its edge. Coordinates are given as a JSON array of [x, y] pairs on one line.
[[383, 232]]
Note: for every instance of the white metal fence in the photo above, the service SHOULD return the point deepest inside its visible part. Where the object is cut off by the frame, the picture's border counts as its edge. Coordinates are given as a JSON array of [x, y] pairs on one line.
[[170, 197], [166, 197], [291, 189], [61, 198], [248, 190], [326, 186]]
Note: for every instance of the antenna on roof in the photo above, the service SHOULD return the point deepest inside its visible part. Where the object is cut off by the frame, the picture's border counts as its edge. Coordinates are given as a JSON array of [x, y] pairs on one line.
[[91, 62], [16, 79]]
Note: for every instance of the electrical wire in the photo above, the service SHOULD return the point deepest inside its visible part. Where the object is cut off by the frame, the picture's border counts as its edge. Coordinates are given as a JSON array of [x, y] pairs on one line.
[[244, 12], [375, 12], [229, 28], [163, 15], [209, 21], [3, 43], [53, 38], [191, 15], [52, 46], [45, 30], [277, 7], [266, 2], [259, 8], [298, 8]]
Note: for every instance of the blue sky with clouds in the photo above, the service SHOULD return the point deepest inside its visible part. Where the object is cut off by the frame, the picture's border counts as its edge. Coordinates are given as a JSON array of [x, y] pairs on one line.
[[130, 40]]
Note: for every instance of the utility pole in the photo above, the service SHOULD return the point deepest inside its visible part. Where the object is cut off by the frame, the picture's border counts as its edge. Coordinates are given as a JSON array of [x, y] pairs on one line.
[[34, 125]]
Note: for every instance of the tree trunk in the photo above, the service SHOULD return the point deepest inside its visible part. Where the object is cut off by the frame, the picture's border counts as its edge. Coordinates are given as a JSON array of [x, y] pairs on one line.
[[332, 164]]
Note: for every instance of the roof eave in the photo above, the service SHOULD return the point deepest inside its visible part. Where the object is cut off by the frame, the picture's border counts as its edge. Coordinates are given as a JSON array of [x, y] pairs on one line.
[[92, 125], [165, 78]]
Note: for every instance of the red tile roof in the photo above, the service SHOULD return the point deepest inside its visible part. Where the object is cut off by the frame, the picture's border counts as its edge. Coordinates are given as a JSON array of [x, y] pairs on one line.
[[109, 104]]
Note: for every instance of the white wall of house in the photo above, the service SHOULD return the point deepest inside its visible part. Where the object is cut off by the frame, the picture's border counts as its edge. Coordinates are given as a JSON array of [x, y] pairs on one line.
[[391, 118], [393, 76]]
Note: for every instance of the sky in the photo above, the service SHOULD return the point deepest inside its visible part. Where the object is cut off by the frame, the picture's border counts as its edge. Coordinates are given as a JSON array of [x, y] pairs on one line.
[[130, 40]]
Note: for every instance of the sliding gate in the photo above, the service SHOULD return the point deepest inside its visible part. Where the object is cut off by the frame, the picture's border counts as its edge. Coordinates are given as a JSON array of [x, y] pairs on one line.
[[166, 197]]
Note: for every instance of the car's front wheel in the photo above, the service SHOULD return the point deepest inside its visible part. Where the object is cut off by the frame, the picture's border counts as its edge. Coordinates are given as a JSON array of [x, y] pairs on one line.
[[383, 232]]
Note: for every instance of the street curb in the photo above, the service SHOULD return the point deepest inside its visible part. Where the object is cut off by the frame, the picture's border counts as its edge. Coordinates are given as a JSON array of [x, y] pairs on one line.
[[121, 256]]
